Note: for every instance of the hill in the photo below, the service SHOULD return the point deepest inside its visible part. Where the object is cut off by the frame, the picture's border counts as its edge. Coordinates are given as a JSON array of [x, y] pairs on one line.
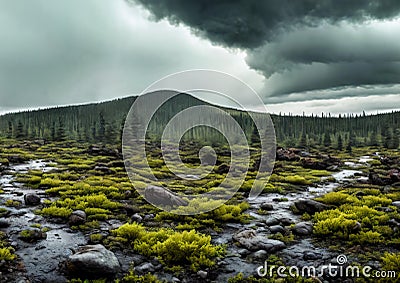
[[103, 122]]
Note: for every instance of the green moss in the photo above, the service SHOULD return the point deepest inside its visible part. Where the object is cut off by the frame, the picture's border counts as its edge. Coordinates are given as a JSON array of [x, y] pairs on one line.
[[55, 211], [7, 254], [131, 277], [189, 247], [12, 203]]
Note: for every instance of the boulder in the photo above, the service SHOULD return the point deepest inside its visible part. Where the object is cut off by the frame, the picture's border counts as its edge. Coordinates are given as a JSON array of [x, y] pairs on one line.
[[31, 199], [161, 196], [375, 179], [324, 163], [253, 242], [78, 217], [270, 221], [267, 206], [4, 223], [310, 206], [277, 229], [93, 261], [303, 228], [287, 154], [137, 218]]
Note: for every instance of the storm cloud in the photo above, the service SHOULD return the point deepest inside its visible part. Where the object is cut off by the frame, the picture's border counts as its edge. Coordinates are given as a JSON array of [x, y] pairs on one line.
[[310, 47], [249, 23]]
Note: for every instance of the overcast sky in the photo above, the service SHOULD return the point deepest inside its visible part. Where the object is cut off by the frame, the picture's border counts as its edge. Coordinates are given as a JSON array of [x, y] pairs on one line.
[[312, 56]]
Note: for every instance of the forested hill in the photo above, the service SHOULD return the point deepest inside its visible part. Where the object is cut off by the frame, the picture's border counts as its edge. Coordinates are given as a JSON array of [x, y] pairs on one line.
[[102, 122]]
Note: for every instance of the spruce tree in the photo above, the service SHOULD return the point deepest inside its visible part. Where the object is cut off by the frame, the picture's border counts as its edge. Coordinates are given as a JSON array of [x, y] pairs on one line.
[[339, 142]]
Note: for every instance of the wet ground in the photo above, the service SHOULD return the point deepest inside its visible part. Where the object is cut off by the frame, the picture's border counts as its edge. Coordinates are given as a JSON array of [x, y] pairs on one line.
[[41, 259]]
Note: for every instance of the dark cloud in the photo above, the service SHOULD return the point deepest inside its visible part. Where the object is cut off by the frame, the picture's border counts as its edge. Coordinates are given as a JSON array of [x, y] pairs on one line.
[[249, 23], [300, 46]]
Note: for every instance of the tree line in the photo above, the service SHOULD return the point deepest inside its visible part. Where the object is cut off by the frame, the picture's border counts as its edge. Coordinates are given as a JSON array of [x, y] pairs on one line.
[[103, 123]]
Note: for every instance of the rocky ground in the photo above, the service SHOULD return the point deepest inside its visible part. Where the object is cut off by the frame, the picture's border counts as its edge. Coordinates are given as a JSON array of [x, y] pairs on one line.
[[59, 232]]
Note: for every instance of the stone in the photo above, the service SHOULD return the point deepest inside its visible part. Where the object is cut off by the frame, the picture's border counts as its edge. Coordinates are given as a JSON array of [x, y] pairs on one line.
[[286, 221], [277, 229], [310, 206], [396, 204], [303, 228], [145, 268], [31, 199], [253, 242], [162, 196], [267, 206], [78, 217], [259, 255], [137, 218], [202, 274], [103, 169], [272, 221], [287, 154], [310, 255], [4, 224], [93, 261]]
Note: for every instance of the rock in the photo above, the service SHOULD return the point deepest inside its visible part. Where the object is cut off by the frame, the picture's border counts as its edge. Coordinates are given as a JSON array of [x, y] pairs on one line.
[[272, 221], [277, 229], [4, 224], [103, 169], [286, 154], [78, 217], [267, 206], [93, 261], [396, 204], [128, 194], [310, 206], [394, 175], [325, 163], [222, 169], [253, 242], [31, 199], [357, 227], [130, 209], [375, 179], [203, 274], [392, 222], [384, 209], [286, 221], [161, 196], [303, 228], [243, 252], [259, 255], [136, 218], [310, 255], [102, 151], [145, 268], [148, 217]]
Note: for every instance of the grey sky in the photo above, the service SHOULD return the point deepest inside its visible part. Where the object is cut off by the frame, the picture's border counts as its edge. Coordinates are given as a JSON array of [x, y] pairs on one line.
[[56, 52]]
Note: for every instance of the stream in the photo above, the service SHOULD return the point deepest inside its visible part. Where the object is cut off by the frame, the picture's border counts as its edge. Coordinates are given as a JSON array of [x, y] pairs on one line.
[[299, 253], [41, 260]]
